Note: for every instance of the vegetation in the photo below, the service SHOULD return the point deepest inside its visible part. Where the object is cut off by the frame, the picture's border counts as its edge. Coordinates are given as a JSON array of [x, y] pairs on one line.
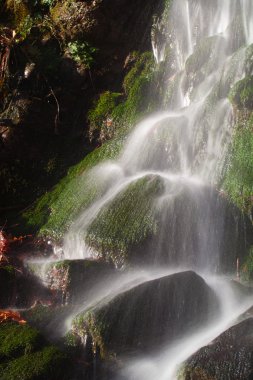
[[99, 116], [26, 356], [82, 52], [53, 213], [242, 93], [126, 221]]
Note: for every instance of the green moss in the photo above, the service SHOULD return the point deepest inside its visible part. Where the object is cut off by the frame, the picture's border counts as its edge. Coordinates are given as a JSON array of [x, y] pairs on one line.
[[17, 340], [238, 181], [113, 114], [53, 213], [93, 324], [25, 355], [47, 364], [241, 94], [138, 85], [100, 113], [126, 221], [249, 60]]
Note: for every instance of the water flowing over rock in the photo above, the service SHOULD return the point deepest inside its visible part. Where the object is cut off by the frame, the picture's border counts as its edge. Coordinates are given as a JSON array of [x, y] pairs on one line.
[[182, 219], [149, 232], [228, 357], [148, 315]]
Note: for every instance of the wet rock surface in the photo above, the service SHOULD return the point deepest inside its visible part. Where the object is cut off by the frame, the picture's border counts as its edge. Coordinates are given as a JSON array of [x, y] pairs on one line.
[[147, 316], [228, 357], [71, 280], [19, 289]]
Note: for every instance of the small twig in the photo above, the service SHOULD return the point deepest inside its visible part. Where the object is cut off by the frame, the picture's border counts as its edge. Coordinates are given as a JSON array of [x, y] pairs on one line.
[[57, 116]]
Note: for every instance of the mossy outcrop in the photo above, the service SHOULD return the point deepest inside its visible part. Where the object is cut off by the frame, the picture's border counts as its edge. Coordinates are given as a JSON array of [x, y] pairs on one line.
[[127, 221], [145, 317], [24, 354], [54, 212], [242, 93]]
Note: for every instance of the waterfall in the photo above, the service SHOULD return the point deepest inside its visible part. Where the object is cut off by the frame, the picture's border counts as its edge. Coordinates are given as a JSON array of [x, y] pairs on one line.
[[181, 152], [185, 146]]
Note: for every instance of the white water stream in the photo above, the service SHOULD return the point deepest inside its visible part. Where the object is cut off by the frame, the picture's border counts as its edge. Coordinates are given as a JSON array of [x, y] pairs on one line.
[[184, 146]]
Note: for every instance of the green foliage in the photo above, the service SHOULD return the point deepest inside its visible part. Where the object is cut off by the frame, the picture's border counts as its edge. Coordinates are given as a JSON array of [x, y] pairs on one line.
[[239, 177], [82, 52], [126, 221], [241, 94]]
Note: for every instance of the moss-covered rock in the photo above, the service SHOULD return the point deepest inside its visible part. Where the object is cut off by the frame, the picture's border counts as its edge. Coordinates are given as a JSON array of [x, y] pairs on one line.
[[238, 181], [100, 116], [242, 93], [18, 340], [126, 221], [145, 317], [54, 212], [115, 113], [228, 357], [27, 356]]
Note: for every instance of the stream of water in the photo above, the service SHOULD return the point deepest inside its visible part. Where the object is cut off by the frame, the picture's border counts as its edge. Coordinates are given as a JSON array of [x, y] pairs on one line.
[[185, 147]]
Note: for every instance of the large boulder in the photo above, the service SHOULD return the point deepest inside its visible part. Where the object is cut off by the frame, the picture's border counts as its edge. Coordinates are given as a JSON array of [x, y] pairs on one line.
[[148, 315], [228, 357]]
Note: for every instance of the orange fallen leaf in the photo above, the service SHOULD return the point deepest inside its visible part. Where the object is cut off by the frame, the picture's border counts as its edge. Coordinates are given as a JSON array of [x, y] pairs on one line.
[[10, 315]]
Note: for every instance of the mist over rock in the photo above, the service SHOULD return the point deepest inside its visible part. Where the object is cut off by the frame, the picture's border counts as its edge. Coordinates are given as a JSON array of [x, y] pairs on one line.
[[145, 317]]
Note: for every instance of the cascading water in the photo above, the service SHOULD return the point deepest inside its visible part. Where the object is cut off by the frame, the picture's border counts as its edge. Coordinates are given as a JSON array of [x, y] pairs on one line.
[[184, 150], [185, 147]]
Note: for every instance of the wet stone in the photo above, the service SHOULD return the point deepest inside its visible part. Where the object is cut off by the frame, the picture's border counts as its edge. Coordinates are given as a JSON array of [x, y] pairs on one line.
[[71, 280], [228, 357], [147, 316]]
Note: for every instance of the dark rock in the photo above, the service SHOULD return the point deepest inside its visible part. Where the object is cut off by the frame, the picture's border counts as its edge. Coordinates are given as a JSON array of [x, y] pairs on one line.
[[19, 289], [71, 280], [228, 357], [145, 317]]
